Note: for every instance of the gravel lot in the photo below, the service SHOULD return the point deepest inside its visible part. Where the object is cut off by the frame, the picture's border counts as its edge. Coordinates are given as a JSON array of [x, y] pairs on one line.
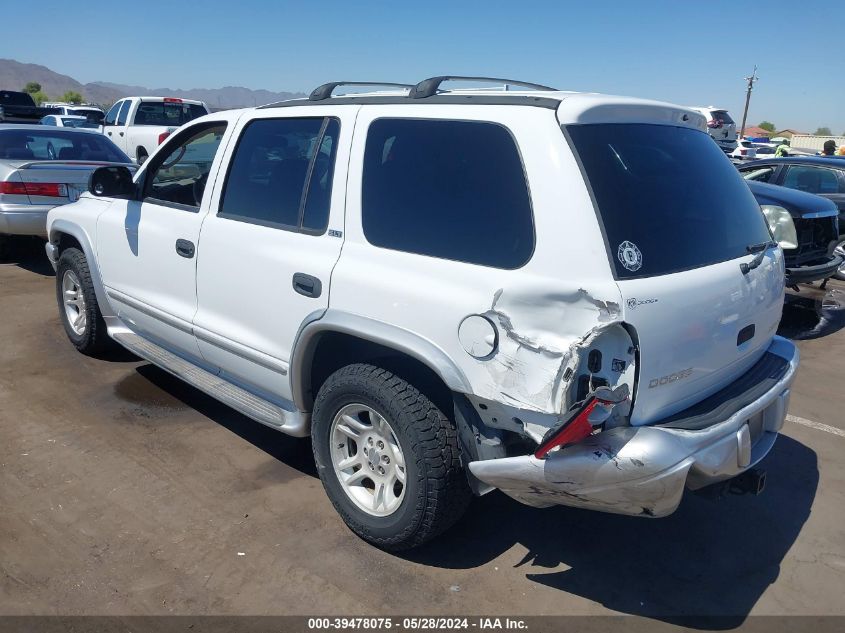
[[124, 491]]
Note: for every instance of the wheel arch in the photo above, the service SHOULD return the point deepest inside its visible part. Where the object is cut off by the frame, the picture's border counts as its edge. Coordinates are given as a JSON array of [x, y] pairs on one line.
[[64, 235], [355, 338]]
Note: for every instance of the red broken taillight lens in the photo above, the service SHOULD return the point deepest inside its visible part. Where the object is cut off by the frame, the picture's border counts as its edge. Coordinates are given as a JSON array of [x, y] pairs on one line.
[[162, 136], [49, 189], [578, 424]]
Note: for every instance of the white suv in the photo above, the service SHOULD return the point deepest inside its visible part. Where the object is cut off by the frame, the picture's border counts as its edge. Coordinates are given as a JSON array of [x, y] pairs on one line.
[[569, 297], [721, 127]]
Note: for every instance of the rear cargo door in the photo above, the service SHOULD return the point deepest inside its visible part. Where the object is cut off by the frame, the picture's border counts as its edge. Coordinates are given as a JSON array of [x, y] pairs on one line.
[[679, 221]]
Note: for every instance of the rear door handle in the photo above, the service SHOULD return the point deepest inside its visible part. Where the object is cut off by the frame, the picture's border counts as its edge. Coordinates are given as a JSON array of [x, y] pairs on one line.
[[185, 248], [307, 285], [121, 133]]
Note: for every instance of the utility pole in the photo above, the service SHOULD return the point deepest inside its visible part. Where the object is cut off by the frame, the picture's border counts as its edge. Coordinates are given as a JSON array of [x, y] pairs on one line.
[[750, 81]]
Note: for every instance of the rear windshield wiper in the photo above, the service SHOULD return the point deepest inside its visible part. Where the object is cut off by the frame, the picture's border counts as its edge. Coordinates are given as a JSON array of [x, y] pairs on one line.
[[760, 249]]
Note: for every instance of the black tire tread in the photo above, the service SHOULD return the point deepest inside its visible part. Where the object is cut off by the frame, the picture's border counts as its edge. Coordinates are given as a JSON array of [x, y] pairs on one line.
[[447, 493], [96, 340]]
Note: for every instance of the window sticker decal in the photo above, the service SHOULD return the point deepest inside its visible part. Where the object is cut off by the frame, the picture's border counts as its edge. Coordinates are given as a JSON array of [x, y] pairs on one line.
[[630, 256]]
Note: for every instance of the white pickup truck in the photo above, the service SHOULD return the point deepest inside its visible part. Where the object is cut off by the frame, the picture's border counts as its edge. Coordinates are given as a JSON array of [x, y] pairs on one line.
[[137, 125]]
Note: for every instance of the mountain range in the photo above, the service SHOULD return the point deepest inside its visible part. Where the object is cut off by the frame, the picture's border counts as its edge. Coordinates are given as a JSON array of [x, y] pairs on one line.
[[14, 75]]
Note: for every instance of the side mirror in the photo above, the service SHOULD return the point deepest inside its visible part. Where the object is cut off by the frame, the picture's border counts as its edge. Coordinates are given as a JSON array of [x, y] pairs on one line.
[[111, 182]]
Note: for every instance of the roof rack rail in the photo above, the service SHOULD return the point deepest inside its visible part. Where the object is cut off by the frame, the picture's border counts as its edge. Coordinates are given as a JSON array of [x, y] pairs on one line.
[[429, 87], [321, 93]]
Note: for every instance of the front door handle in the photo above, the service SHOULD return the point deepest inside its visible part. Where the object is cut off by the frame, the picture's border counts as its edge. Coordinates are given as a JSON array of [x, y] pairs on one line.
[[307, 285], [185, 248]]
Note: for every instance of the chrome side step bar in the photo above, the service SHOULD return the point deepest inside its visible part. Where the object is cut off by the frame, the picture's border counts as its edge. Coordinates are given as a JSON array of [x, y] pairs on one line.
[[292, 422]]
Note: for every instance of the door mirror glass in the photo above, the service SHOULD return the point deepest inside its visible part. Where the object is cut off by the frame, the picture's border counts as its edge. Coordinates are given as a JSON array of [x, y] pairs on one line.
[[111, 182]]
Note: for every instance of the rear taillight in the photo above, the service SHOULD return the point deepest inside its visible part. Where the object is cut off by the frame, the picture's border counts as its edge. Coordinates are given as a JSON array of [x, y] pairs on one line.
[[580, 422], [49, 189], [162, 136], [743, 152]]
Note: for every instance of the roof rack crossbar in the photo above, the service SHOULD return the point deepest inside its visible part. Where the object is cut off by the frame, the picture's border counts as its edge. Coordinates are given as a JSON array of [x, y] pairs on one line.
[[429, 87], [321, 93]]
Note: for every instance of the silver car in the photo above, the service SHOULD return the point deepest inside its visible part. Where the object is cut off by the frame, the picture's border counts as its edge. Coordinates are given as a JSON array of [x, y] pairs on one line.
[[43, 167]]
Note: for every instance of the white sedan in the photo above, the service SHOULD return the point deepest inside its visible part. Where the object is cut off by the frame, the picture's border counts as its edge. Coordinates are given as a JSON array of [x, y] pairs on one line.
[[71, 120]]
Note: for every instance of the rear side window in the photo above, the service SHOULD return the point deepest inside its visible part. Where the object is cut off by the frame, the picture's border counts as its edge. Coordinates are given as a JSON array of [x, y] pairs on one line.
[[448, 189], [668, 198], [124, 111], [281, 174], [812, 179]]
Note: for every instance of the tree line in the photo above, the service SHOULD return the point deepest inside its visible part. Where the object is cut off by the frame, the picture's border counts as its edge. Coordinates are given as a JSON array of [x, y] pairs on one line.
[[33, 88]]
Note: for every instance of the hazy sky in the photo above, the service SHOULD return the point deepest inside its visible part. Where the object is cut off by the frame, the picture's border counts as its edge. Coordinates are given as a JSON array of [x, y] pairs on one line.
[[693, 53]]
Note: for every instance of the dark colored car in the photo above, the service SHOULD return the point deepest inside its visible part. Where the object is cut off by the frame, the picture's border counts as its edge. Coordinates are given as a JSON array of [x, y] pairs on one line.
[[18, 107], [813, 174], [807, 228]]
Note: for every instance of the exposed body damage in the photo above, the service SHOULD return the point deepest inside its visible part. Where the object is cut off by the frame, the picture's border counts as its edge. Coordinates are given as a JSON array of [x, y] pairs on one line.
[[541, 360], [644, 470]]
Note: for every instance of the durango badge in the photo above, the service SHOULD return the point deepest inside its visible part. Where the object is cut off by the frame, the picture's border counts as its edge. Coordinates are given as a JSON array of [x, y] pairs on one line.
[[630, 256]]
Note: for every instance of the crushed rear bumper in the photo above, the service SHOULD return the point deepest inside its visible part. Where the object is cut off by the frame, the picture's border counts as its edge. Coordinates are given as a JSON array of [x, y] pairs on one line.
[[644, 470]]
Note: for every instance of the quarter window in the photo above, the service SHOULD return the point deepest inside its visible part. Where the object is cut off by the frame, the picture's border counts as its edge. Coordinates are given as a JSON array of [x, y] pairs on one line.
[[281, 174], [448, 189], [760, 174], [180, 177]]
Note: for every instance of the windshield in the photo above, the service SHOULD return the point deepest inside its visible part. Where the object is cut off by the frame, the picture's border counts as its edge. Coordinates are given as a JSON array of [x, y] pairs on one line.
[[83, 123], [56, 144], [668, 198], [167, 114]]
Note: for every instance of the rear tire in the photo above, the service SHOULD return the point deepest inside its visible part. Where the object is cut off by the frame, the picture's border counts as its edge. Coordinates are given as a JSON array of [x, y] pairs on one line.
[[5, 247], [372, 420], [78, 308], [142, 155]]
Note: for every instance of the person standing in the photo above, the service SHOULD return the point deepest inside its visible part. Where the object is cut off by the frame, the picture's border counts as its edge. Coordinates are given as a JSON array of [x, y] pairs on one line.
[[829, 148]]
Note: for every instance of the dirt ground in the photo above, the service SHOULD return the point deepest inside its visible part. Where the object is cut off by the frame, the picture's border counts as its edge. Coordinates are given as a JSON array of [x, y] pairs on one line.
[[124, 491]]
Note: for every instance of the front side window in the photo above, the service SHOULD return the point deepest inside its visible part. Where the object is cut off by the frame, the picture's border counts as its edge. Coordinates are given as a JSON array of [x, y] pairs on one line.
[[811, 179], [760, 174], [447, 189], [281, 173], [48, 120], [667, 197], [180, 177]]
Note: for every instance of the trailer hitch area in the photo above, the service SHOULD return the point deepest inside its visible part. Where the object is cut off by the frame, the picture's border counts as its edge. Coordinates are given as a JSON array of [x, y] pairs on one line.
[[580, 421], [752, 481]]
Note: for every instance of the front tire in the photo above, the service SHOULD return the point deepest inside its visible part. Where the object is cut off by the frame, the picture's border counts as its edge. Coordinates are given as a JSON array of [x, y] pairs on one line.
[[78, 309], [388, 458]]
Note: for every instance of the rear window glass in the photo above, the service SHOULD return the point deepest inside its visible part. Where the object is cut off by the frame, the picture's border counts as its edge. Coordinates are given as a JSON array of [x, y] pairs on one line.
[[449, 189], [55, 144], [166, 113], [668, 198], [722, 117]]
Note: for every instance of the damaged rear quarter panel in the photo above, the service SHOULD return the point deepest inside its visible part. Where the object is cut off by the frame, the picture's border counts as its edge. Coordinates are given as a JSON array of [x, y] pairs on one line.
[[545, 313]]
